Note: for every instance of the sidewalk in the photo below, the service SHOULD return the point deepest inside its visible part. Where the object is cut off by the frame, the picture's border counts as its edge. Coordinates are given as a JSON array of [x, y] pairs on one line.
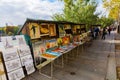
[[93, 64]]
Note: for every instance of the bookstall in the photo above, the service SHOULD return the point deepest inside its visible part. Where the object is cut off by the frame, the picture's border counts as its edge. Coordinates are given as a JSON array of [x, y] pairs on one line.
[[52, 40]]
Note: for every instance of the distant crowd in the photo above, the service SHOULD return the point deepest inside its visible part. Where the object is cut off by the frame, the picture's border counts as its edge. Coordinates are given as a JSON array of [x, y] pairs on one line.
[[101, 32]]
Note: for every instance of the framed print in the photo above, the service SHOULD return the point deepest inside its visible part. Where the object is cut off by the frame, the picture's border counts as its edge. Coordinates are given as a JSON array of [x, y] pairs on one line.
[[10, 54], [26, 59], [16, 74], [44, 29], [34, 30], [24, 50], [7, 42], [29, 67], [52, 30], [13, 64]]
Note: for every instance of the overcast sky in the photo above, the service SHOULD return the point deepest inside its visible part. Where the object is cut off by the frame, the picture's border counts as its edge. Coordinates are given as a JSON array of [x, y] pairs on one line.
[[15, 12]]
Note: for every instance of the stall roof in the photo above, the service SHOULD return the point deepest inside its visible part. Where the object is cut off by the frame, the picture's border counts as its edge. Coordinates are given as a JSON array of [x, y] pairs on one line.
[[28, 20]]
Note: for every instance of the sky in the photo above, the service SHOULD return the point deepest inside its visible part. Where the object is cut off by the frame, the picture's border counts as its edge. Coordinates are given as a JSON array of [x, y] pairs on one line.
[[15, 12]]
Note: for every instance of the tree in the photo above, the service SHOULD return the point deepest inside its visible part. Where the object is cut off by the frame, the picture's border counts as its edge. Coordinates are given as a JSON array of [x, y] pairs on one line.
[[105, 21], [113, 7], [78, 11]]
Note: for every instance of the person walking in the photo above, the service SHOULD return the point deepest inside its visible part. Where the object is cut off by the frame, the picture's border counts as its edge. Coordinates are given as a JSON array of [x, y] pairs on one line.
[[109, 30], [96, 30], [104, 33]]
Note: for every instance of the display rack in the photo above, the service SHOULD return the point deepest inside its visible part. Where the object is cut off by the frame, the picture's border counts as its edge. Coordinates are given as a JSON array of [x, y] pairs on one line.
[[16, 57]]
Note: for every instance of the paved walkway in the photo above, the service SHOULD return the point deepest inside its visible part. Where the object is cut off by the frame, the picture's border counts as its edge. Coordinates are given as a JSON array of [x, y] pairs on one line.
[[94, 64]]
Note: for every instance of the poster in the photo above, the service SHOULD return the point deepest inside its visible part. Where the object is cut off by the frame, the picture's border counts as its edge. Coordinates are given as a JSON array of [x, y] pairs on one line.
[[52, 30], [44, 29], [38, 48], [16, 74], [51, 43], [42, 48], [24, 50], [10, 54], [34, 30], [66, 40], [12, 65], [61, 30]]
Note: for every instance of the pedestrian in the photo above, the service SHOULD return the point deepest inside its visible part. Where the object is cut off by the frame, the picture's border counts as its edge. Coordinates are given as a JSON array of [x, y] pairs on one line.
[[96, 30], [109, 30], [104, 33]]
